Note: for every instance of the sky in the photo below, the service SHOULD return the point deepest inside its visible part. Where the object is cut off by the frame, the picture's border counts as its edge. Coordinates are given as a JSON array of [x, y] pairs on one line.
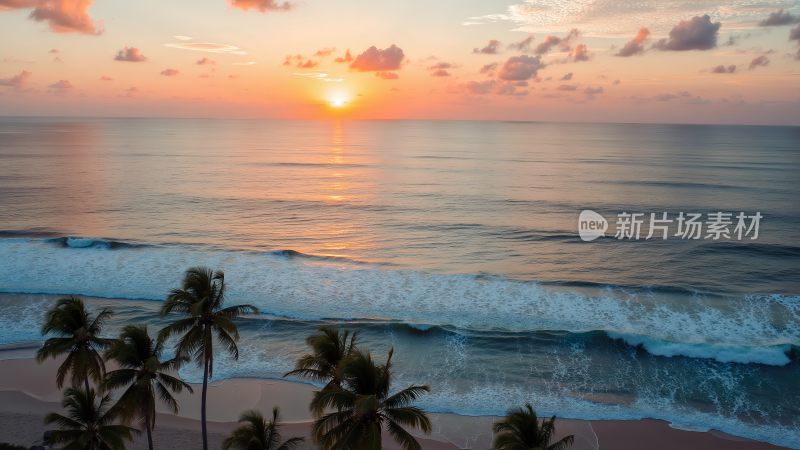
[[670, 61]]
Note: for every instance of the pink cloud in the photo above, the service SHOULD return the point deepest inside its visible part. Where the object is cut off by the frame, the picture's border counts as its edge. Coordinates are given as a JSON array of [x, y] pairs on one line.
[[387, 75], [323, 52], [550, 42], [480, 87], [491, 48], [440, 69], [376, 60], [60, 87], [522, 67], [205, 62], [523, 45], [488, 69], [581, 53], [724, 69], [130, 54], [106, 78], [346, 58], [636, 45], [170, 72], [761, 61], [65, 16], [17, 81], [261, 5]]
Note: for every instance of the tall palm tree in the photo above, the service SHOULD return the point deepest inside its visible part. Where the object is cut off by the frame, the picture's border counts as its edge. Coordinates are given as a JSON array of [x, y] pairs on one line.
[[329, 348], [144, 375], [257, 433], [361, 407], [521, 430], [77, 336], [89, 423], [200, 300]]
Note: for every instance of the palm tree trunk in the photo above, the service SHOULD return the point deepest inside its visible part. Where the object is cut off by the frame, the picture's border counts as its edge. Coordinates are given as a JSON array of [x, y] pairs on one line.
[[86, 383], [149, 429], [203, 404]]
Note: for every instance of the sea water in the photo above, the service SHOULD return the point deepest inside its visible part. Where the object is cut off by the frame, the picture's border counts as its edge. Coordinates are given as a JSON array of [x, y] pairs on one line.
[[456, 243]]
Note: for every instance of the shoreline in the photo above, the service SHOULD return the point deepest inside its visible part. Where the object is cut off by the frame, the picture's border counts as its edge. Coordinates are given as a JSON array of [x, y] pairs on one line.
[[28, 392]]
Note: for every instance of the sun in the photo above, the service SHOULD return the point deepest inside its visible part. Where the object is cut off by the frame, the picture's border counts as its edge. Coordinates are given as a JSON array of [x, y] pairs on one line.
[[337, 99]]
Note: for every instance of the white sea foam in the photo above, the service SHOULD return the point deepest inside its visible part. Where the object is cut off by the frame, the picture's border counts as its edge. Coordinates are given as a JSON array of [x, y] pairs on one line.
[[753, 329]]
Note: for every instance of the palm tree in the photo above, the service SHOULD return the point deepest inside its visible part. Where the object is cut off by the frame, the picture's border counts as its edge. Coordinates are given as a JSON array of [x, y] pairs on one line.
[[200, 300], [362, 407], [89, 424], [145, 376], [77, 336], [257, 433], [329, 348], [521, 430]]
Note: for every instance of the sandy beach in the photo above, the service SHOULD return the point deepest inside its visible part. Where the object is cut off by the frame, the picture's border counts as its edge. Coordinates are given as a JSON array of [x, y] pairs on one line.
[[28, 392]]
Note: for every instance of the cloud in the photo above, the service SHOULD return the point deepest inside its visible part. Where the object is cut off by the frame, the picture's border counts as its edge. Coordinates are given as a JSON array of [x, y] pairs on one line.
[[699, 33], [567, 87], [566, 77], [760, 61], [170, 72], [376, 60], [581, 53], [63, 16], [440, 69], [480, 87], [130, 54], [261, 5], [210, 47], [794, 34], [244, 63], [778, 18], [551, 42], [636, 45], [613, 18], [106, 78], [512, 89], [591, 91], [324, 52], [523, 45], [205, 62], [348, 57], [521, 67], [489, 69], [387, 75], [17, 81], [60, 87], [491, 48], [321, 76], [724, 69]]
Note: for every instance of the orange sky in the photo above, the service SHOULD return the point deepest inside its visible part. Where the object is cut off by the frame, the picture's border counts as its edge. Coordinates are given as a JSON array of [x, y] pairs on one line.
[[578, 60]]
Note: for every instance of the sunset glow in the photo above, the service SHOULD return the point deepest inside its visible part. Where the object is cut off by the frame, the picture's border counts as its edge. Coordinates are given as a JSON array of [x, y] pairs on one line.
[[500, 59]]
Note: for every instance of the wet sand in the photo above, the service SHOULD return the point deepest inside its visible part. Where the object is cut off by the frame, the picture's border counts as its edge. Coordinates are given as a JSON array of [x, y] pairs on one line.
[[28, 392]]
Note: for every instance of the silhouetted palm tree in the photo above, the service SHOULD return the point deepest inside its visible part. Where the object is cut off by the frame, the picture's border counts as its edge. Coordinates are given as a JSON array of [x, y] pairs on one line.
[[257, 433], [144, 376], [521, 430], [362, 408], [329, 348], [77, 337], [89, 423], [200, 300]]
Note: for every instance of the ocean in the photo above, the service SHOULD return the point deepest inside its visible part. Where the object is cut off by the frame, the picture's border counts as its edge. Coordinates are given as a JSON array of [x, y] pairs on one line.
[[456, 243]]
